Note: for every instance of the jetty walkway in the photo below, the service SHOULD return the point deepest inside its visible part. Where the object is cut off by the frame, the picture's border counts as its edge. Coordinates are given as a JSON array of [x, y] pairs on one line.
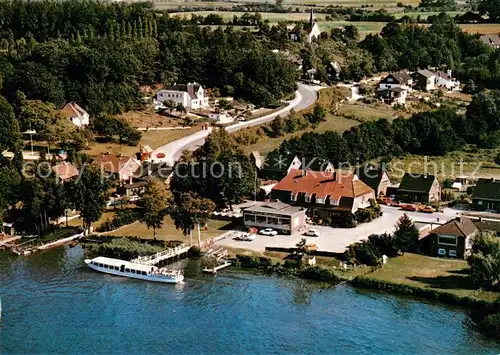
[[163, 255]]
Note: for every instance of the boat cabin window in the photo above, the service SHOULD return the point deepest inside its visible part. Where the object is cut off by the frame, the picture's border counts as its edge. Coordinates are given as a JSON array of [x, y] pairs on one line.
[[127, 270], [100, 265], [117, 268], [106, 266], [133, 271], [144, 272]]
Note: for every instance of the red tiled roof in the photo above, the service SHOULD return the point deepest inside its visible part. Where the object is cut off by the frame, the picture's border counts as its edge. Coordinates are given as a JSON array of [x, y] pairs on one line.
[[65, 170], [323, 184], [112, 163]]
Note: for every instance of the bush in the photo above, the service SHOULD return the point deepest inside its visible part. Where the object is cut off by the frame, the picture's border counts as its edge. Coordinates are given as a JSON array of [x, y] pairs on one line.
[[491, 324], [121, 218], [497, 159], [319, 273], [347, 220], [194, 251], [125, 248]]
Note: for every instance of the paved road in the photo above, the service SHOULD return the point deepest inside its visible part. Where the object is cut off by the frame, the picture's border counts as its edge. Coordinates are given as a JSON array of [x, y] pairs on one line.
[[337, 239], [305, 96]]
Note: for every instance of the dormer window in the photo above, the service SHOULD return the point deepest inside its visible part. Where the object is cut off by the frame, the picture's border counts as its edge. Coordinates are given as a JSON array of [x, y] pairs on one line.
[[334, 202], [293, 196], [308, 197], [320, 201]]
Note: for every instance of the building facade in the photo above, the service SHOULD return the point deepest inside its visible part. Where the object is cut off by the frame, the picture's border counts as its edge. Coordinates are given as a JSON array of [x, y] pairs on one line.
[[324, 194], [279, 216], [421, 188], [77, 115], [486, 194], [190, 95]]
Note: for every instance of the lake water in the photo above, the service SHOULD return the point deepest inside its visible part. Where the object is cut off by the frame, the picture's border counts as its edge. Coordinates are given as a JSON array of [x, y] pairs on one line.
[[53, 304]]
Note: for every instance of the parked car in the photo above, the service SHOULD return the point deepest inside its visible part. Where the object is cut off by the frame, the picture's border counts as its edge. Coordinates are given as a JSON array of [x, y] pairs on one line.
[[384, 200], [134, 198], [312, 232], [408, 207], [247, 237], [427, 209], [269, 231]]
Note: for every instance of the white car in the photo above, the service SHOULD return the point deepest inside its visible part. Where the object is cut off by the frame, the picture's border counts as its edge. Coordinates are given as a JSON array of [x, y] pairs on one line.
[[312, 233], [269, 231], [134, 198]]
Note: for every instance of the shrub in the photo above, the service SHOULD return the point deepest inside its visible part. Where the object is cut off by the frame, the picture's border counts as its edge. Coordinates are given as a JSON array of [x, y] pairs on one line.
[[121, 218], [319, 273], [497, 159], [194, 251], [491, 324]]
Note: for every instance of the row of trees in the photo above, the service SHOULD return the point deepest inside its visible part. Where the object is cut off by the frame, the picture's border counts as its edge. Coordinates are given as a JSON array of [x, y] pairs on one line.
[[429, 133]]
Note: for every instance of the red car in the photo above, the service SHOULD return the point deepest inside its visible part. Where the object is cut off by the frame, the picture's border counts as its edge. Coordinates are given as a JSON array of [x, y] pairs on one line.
[[410, 208]]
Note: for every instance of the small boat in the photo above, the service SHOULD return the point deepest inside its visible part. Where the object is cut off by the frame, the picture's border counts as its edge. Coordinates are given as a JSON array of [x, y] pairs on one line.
[[134, 270]]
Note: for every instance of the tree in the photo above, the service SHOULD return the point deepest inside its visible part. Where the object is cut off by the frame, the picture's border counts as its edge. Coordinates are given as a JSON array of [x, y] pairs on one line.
[[155, 203], [189, 211], [89, 195], [318, 115], [485, 259], [406, 234], [10, 137], [490, 8], [10, 187]]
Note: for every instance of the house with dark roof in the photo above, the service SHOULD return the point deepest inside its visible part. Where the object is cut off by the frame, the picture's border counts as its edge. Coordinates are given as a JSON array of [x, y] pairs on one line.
[[276, 165], [486, 194], [146, 173], [394, 88], [424, 80], [377, 179], [452, 239], [190, 95], [323, 193], [422, 188]]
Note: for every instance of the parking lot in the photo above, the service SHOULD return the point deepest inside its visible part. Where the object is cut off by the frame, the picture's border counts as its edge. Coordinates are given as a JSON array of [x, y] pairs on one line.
[[337, 239]]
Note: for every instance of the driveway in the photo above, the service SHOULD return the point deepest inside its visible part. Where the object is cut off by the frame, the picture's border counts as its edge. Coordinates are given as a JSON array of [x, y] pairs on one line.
[[305, 96], [337, 239]]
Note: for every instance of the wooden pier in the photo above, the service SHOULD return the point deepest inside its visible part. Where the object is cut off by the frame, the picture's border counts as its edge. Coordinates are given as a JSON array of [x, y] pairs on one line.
[[162, 256], [217, 268]]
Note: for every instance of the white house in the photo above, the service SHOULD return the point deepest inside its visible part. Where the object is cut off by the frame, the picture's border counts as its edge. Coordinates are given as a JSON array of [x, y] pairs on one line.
[[447, 81], [190, 95], [394, 88], [77, 115]]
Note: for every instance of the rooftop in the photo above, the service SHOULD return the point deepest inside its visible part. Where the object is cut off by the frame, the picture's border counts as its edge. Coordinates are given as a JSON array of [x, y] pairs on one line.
[[65, 170], [72, 109], [111, 163], [487, 189], [417, 182], [323, 184], [276, 207], [459, 227]]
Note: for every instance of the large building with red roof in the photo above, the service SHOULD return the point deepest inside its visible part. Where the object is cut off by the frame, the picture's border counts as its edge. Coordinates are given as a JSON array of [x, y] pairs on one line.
[[323, 193]]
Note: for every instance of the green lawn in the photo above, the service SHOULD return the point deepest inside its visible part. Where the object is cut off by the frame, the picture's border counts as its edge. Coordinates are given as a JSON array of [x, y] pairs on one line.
[[169, 232], [363, 112], [432, 273]]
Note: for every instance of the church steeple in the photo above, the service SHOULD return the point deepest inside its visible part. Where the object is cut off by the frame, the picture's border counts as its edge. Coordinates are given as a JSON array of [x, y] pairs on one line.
[[311, 18]]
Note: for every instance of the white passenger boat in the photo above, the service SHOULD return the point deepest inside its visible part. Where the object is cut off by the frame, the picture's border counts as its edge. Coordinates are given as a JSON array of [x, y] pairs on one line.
[[135, 271]]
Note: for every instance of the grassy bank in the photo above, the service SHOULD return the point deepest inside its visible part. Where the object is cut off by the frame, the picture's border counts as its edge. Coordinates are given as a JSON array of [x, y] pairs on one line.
[[440, 279]]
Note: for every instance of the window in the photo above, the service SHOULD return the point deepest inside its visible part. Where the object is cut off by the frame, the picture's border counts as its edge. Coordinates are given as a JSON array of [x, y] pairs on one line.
[[293, 197], [389, 80], [100, 265], [127, 270], [480, 202], [133, 271], [334, 202], [441, 252], [447, 240], [106, 266], [320, 201], [452, 253], [117, 268], [144, 273], [308, 198]]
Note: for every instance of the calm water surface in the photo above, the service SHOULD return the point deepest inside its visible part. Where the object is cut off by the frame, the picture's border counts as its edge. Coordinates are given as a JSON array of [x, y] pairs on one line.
[[53, 304]]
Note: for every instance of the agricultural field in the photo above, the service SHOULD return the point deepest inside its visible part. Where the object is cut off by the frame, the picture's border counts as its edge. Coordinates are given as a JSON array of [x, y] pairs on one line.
[[154, 139], [472, 163]]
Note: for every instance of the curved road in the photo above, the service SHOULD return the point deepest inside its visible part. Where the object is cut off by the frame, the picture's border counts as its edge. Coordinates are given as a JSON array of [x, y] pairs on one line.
[[305, 96]]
